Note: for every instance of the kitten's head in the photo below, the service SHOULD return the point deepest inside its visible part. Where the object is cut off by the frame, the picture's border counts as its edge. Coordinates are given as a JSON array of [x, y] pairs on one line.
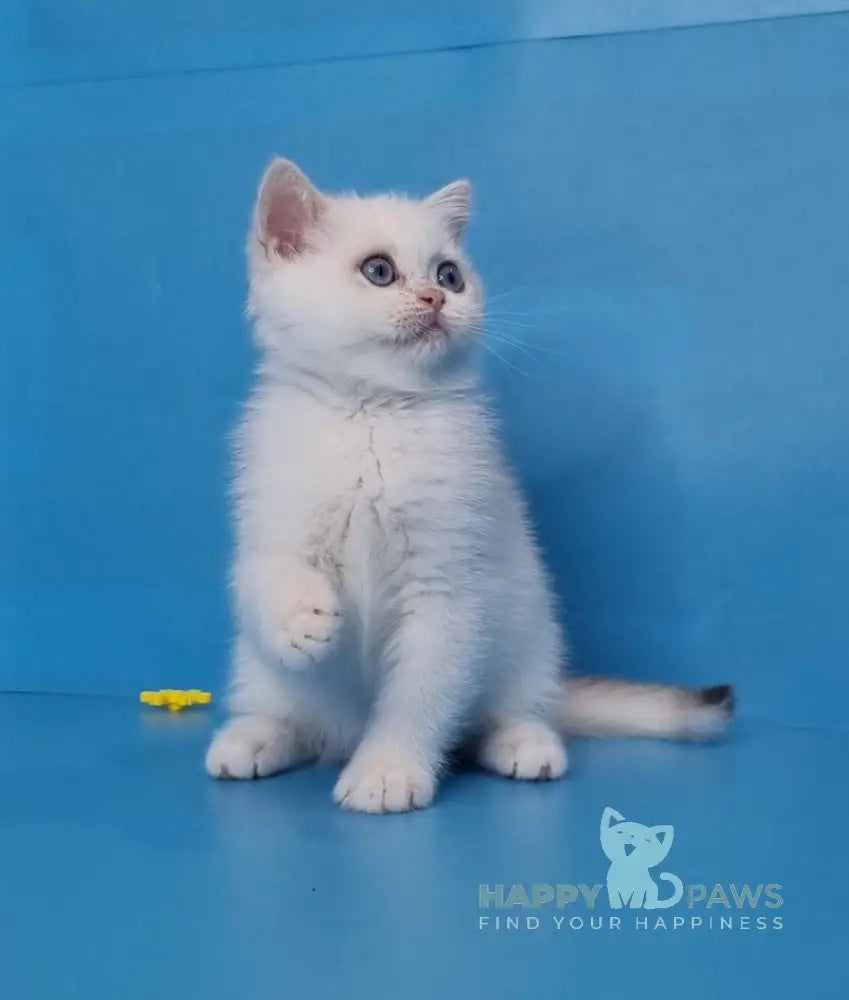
[[363, 289], [644, 846]]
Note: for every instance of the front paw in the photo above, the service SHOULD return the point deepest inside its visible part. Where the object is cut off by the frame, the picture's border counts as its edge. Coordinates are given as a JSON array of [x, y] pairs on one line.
[[298, 615], [253, 746], [308, 633], [380, 781]]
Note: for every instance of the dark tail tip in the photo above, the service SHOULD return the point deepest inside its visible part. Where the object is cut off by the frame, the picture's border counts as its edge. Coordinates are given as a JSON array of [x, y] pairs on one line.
[[720, 696]]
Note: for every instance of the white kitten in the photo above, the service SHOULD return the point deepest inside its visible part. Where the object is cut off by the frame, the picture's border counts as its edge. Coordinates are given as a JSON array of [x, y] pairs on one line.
[[391, 601]]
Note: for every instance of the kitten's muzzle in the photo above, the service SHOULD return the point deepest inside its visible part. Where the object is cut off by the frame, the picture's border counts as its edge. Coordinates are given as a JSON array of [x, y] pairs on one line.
[[629, 849]]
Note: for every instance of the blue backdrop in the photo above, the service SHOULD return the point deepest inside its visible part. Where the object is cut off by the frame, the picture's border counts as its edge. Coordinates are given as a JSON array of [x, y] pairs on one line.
[[664, 213]]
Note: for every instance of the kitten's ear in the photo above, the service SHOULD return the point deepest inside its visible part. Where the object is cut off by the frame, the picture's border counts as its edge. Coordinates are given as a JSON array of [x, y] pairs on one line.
[[287, 207], [453, 203], [664, 834], [609, 815]]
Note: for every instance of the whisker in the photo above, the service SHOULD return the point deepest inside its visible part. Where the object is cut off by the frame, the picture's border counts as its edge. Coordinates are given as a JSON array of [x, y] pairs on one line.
[[505, 338], [505, 295], [507, 321], [502, 359], [524, 348], [529, 314]]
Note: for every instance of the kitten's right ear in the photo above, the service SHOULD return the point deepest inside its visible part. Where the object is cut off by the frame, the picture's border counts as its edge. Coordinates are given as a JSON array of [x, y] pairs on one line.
[[287, 207]]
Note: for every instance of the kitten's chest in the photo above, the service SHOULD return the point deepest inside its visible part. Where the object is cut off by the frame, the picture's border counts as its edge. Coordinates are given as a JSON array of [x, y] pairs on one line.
[[415, 473], [384, 458], [355, 485]]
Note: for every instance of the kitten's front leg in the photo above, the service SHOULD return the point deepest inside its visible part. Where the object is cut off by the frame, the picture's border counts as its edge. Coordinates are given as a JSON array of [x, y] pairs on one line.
[[427, 666], [290, 606], [266, 732], [289, 617], [257, 746]]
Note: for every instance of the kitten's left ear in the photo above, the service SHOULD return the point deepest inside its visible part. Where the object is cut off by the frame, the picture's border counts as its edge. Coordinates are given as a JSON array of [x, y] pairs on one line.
[[664, 834], [453, 203]]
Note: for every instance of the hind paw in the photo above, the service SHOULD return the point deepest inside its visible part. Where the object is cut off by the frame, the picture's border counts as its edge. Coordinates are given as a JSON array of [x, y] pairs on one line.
[[527, 749]]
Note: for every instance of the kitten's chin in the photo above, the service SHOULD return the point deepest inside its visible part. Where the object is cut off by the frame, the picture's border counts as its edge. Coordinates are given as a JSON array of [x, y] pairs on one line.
[[430, 339], [428, 358]]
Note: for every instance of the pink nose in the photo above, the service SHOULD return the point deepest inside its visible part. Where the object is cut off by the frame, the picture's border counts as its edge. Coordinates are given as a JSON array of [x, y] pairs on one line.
[[431, 296]]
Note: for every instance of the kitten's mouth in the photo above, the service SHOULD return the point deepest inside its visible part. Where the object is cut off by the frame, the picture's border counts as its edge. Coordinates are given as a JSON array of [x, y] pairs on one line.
[[629, 850], [432, 325], [430, 329]]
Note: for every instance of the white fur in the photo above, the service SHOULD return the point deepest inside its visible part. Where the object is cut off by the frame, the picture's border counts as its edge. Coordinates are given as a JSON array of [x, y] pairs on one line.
[[390, 598]]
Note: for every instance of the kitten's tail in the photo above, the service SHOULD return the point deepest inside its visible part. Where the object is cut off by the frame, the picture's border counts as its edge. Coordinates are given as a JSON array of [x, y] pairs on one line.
[[677, 891], [604, 706]]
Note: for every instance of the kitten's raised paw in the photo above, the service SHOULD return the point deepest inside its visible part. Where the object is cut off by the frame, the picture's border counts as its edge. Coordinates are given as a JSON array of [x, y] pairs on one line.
[[379, 782], [253, 746], [527, 749], [308, 634], [292, 609], [309, 619]]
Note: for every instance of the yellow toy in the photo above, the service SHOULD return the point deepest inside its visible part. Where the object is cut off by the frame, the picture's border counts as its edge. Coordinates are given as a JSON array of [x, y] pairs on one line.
[[173, 700]]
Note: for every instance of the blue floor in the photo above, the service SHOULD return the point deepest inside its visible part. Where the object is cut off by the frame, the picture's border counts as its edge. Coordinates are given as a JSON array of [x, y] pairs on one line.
[[128, 874]]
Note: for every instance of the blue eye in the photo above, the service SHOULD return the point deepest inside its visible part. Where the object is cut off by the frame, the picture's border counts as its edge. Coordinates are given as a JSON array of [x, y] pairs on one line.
[[448, 276], [379, 270]]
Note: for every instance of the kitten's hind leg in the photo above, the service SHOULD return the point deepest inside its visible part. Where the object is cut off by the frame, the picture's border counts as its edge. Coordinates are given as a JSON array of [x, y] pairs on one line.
[[523, 748], [516, 737]]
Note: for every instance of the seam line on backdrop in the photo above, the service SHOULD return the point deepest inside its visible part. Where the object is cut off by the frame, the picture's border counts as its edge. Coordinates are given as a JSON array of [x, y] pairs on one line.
[[403, 53]]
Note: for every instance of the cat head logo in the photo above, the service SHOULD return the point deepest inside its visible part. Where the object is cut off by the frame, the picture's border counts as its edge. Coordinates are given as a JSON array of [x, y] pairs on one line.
[[632, 850]]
